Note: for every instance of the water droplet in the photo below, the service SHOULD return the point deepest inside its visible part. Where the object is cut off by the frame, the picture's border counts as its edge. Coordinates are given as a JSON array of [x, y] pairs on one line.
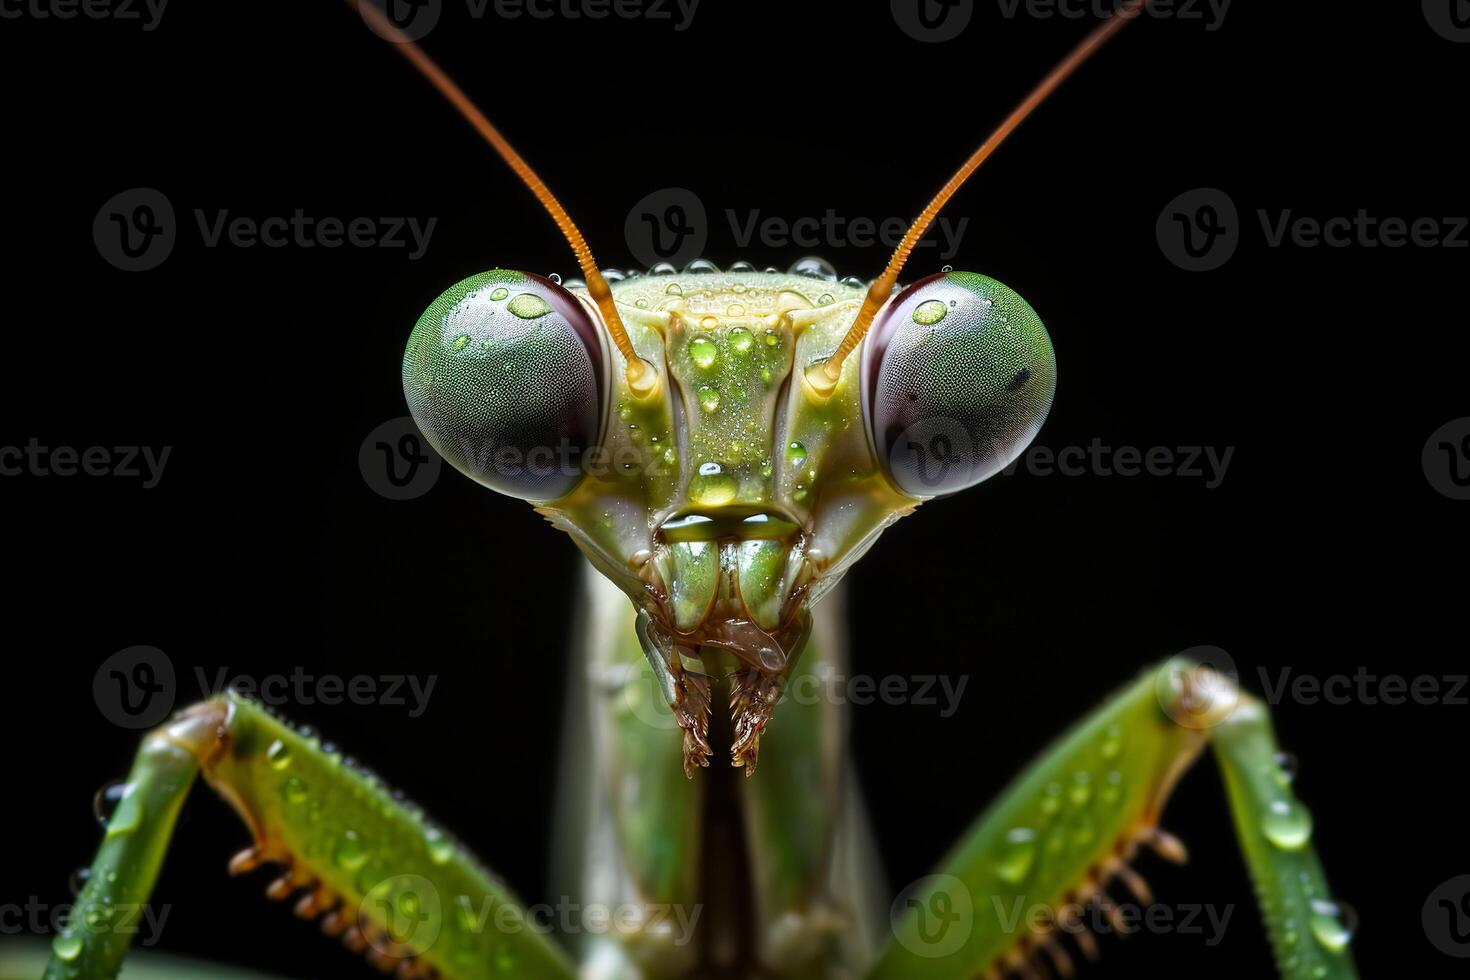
[[528, 306], [772, 338], [740, 340], [709, 398], [1288, 825], [106, 799], [349, 854], [699, 266], [742, 267], [1051, 799], [663, 269], [712, 486], [1112, 742], [1112, 791], [294, 790], [505, 956], [279, 755], [441, 848], [555, 277], [1286, 768], [947, 268], [1081, 790], [673, 288], [853, 281], [930, 312], [641, 303], [67, 948], [825, 299], [79, 879], [709, 322], [814, 267], [795, 454], [613, 275], [461, 342], [499, 293], [1018, 855], [1333, 924], [703, 352]]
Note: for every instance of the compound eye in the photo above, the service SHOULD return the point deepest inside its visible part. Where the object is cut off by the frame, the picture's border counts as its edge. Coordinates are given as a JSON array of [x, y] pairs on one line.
[[958, 376], [505, 374]]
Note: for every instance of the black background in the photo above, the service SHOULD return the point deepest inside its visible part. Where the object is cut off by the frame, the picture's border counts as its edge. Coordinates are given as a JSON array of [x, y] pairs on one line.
[[1324, 550]]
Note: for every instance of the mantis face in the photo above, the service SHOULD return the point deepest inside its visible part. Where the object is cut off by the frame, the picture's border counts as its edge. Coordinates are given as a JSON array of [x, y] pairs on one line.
[[728, 494], [706, 437]]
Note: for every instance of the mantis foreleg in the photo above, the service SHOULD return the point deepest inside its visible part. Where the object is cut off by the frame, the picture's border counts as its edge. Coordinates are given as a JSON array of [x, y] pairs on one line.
[[371, 866], [1071, 822]]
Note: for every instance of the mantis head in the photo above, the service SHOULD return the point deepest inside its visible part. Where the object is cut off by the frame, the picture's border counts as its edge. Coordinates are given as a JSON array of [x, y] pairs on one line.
[[706, 438]]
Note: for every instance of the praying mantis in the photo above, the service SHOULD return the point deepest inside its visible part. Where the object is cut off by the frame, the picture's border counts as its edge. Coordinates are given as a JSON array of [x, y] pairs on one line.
[[722, 446]]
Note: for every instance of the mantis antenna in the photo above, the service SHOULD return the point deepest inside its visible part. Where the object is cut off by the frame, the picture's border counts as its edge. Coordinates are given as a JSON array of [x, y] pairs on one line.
[[642, 378], [822, 376]]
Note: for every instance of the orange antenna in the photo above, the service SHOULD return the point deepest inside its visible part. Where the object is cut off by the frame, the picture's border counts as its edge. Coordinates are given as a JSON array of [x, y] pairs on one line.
[[823, 375], [642, 377]]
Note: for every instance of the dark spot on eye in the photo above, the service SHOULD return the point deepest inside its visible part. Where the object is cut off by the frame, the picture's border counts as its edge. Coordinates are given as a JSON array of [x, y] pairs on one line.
[[913, 396], [1022, 376]]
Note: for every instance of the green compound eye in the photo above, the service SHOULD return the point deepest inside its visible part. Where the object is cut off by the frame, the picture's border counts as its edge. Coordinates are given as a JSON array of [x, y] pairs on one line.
[[505, 374], [958, 375]]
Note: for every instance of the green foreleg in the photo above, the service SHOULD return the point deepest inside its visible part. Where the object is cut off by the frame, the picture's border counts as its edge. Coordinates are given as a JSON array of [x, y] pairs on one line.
[[382, 877], [1072, 821]]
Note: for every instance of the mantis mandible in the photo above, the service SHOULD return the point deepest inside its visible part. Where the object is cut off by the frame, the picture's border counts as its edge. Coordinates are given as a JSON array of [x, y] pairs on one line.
[[722, 446]]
